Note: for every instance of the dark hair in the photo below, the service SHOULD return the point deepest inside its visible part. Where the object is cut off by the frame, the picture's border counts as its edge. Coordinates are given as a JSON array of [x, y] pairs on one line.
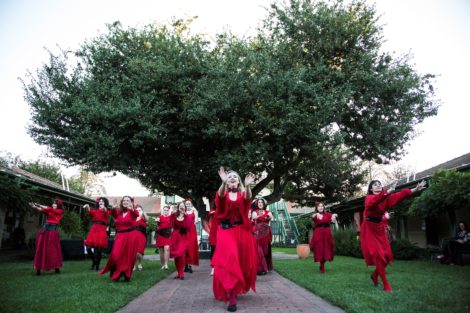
[[254, 204], [105, 200], [369, 189], [464, 225]]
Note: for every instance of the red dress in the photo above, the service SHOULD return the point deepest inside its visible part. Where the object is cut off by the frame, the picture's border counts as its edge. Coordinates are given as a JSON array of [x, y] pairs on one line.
[[179, 238], [141, 235], [164, 231], [235, 259], [124, 253], [98, 237], [374, 242], [214, 225], [48, 253], [263, 236], [193, 249], [322, 242]]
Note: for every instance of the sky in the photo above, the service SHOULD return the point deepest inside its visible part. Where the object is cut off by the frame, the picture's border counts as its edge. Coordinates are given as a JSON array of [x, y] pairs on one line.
[[435, 32]]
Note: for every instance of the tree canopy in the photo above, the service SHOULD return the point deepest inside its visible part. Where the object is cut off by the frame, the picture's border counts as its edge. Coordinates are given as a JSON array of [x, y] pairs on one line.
[[301, 102]]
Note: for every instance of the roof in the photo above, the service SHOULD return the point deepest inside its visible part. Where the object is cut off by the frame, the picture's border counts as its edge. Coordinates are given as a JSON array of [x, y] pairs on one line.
[[460, 163], [46, 186]]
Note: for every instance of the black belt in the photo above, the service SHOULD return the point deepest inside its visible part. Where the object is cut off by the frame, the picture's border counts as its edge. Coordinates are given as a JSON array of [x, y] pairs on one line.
[[142, 229], [226, 224], [46, 227], [183, 231], [125, 230], [165, 232], [100, 223], [374, 219], [324, 225]]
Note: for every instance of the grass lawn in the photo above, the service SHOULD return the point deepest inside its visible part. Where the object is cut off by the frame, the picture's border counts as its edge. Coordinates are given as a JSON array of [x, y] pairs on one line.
[[285, 250], [418, 286], [76, 289]]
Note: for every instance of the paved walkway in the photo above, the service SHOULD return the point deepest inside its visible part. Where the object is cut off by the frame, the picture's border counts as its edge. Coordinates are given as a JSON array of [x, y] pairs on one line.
[[194, 295]]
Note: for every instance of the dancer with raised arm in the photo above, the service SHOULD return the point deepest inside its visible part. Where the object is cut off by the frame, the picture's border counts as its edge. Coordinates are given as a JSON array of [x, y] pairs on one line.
[[48, 253], [97, 238], [374, 242], [322, 242], [235, 259], [123, 255]]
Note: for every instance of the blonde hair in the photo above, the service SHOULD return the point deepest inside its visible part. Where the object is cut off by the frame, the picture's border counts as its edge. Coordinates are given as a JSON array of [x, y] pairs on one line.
[[241, 187]]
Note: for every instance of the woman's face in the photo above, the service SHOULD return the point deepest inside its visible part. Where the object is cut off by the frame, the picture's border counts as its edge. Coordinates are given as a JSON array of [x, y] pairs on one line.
[[165, 211], [126, 202], [320, 208], [376, 187], [101, 203], [181, 208], [54, 205], [188, 205], [462, 226], [139, 209], [260, 204], [232, 180]]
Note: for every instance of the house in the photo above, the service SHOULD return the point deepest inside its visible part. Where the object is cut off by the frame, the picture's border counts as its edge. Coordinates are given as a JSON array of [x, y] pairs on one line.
[[425, 232], [44, 190]]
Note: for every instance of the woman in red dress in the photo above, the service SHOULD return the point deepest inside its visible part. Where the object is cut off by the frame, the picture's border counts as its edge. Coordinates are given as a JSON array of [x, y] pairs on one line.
[[179, 239], [262, 231], [165, 227], [122, 258], [322, 242], [140, 226], [235, 259], [48, 253], [97, 238], [193, 247], [374, 242]]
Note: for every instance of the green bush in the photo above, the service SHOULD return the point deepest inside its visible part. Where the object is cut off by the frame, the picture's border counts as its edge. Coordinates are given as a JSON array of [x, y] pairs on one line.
[[304, 224], [71, 226], [346, 243], [403, 249]]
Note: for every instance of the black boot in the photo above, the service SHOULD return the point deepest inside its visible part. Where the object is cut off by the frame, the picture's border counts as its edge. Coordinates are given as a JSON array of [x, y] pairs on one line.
[[190, 269], [92, 257], [57, 270], [186, 268], [38, 272], [97, 259]]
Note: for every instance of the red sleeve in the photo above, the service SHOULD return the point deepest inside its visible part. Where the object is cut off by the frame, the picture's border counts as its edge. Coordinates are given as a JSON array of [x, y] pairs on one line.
[[46, 210], [246, 207], [220, 206], [374, 200], [398, 197]]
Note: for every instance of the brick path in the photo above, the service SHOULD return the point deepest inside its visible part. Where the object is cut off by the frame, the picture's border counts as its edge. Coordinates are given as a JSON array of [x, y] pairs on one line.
[[194, 295]]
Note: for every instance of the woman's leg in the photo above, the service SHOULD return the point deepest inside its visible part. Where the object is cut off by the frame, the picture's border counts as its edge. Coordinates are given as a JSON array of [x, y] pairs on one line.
[[166, 251], [91, 255], [162, 256], [380, 266]]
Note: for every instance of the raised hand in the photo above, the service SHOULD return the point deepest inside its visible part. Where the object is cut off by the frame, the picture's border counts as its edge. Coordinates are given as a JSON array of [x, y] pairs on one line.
[[420, 186], [222, 174], [250, 178]]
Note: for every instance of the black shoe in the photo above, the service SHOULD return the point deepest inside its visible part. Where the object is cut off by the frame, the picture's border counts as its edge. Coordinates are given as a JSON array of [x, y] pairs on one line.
[[176, 277], [186, 269], [190, 269], [57, 271], [232, 308], [182, 277], [38, 272]]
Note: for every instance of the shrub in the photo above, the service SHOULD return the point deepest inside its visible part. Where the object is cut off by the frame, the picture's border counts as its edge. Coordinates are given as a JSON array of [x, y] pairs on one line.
[[71, 226], [304, 224], [403, 249], [347, 243]]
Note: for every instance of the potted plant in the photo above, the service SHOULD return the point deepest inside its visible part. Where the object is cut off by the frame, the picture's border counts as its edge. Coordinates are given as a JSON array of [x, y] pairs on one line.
[[304, 226]]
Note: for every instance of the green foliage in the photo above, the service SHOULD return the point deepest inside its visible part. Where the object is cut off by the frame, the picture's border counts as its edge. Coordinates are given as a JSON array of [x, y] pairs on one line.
[[71, 225], [151, 225], [15, 194], [403, 249], [304, 225], [302, 101], [448, 190], [42, 169], [347, 243]]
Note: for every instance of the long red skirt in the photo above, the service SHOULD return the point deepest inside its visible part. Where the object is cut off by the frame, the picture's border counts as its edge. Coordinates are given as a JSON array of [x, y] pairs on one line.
[[123, 256], [322, 245], [193, 249], [162, 241], [48, 253], [97, 237], [263, 236], [179, 244], [234, 262], [374, 243], [141, 242]]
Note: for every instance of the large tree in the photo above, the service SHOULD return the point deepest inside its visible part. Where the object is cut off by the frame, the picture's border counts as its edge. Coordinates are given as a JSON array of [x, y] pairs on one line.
[[300, 102]]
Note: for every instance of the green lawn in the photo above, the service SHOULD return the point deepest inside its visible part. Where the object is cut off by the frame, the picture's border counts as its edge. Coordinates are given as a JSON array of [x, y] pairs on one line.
[[285, 250], [76, 289], [418, 286]]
